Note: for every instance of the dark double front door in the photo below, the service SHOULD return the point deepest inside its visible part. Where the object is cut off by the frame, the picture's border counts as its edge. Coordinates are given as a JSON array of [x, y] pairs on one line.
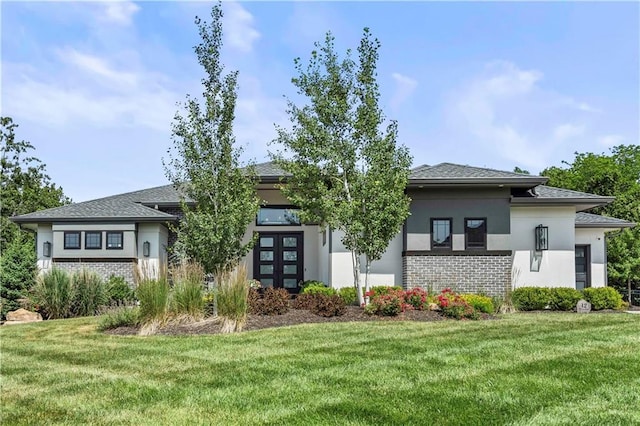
[[277, 260]]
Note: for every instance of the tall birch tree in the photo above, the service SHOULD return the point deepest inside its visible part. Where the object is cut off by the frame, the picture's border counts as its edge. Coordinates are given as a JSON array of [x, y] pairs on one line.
[[220, 196], [347, 171]]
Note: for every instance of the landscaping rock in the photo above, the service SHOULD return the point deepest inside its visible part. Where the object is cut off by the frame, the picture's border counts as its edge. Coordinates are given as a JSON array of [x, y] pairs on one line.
[[22, 316], [434, 307]]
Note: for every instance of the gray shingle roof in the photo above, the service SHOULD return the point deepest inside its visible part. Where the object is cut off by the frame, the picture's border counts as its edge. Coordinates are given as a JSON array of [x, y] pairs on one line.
[[269, 169], [544, 191], [590, 220], [449, 173], [115, 207]]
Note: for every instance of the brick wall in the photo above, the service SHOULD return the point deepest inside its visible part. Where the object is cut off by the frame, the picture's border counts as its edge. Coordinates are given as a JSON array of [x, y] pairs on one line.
[[176, 211], [104, 269], [488, 274]]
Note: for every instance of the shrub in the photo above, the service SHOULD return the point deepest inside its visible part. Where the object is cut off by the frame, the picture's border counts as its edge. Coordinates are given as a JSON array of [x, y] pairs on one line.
[[480, 303], [417, 297], [454, 306], [319, 289], [188, 285], [121, 316], [328, 306], [304, 301], [118, 291], [390, 303], [89, 293], [348, 294], [275, 301], [603, 298], [564, 298], [382, 289], [232, 299], [153, 295], [209, 304], [531, 298], [54, 294], [313, 283]]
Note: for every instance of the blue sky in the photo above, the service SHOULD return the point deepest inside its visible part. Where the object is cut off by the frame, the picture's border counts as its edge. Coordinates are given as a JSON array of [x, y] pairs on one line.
[[94, 86]]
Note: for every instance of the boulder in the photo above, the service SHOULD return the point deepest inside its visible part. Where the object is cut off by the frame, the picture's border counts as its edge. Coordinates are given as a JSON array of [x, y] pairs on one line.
[[22, 316], [434, 307]]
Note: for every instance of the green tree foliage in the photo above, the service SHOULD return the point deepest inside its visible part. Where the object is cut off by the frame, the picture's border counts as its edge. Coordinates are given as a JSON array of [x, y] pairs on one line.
[[24, 184], [346, 172], [24, 187], [221, 199], [17, 271], [615, 174]]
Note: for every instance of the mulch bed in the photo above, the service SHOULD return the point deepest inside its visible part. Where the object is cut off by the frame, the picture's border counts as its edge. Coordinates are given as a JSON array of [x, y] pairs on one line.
[[293, 317]]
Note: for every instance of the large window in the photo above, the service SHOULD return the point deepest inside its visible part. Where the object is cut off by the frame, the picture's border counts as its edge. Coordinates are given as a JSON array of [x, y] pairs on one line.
[[277, 216], [72, 240], [440, 234], [475, 234], [114, 240], [93, 240]]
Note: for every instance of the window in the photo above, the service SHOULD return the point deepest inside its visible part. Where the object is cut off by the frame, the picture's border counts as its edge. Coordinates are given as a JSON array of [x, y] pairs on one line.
[[72, 240], [93, 240], [440, 233], [277, 216], [114, 240], [475, 234]]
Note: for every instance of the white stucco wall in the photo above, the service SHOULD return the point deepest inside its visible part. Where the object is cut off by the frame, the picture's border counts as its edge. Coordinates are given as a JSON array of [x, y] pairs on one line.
[[157, 236], [44, 234], [128, 240], [386, 271], [323, 256], [596, 240], [550, 268]]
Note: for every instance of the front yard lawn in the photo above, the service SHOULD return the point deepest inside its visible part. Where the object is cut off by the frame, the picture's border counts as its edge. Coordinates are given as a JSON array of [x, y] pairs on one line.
[[549, 368]]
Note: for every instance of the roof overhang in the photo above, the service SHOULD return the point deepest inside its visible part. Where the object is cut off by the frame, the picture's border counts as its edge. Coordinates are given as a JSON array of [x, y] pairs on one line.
[[580, 204], [606, 226], [524, 182], [20, 220]]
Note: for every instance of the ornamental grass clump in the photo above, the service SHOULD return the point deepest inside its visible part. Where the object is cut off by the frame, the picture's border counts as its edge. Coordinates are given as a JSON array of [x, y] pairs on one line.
[[53, 293], [153, 294], [232, 299], [188, 285], [89, 293]]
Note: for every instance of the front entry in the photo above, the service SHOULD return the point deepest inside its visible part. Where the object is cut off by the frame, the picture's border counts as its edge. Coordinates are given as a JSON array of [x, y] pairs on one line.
[[583, 263], [277, 260]]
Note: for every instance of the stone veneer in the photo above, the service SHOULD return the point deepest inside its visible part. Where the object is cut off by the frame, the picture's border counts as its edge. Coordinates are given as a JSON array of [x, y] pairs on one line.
[[104, 269], [486, 273]]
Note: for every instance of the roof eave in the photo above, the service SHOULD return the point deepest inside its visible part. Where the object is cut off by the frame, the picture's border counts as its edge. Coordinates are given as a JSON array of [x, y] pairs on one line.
[[612, 226], [20, 220], [510, 182]]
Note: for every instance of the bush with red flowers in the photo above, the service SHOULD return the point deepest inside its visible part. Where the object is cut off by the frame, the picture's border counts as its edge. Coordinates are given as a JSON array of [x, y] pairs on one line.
[[453, 305], [417, 297], [389, 304]]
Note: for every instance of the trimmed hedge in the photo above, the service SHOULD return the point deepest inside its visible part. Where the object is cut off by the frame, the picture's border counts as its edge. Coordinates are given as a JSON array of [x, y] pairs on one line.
[[564, 298], [531, 298], [480, 303], [319, 289], [603, 298]]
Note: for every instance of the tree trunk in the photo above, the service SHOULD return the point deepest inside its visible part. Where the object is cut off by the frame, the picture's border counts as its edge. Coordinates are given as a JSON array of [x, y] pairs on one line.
[[629, 291], [366, 281], [356, 277]]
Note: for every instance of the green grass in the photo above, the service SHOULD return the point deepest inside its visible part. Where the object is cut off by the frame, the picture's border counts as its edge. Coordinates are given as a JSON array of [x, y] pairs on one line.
[[526, 369]]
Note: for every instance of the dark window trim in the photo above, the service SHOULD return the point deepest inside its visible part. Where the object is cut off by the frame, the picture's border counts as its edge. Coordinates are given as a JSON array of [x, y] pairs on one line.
[[450, 247], [121, 240], [86, 245], [78, 233], [278, 206], [466, 244]]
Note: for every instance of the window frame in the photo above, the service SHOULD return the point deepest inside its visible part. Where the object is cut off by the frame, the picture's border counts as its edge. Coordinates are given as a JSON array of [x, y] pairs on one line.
[[86, 240], [278, 207], [466, 235], [68, 247], [121, 240], [441, 248]]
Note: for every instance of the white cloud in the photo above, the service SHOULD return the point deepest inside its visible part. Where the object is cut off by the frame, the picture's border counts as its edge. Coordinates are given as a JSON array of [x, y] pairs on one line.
[[239, 27], [506, 110], [405, 86], [98, 66], [119, 12], [567, 131], [609, 141]]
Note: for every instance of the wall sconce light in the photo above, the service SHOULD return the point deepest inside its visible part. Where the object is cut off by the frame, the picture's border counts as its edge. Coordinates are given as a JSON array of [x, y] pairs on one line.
[[542, 238], [146, 248], [46, 249]]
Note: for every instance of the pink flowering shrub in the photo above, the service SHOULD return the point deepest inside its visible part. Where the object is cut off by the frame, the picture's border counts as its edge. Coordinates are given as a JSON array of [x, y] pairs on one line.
[[417, 298], [453, 305]]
